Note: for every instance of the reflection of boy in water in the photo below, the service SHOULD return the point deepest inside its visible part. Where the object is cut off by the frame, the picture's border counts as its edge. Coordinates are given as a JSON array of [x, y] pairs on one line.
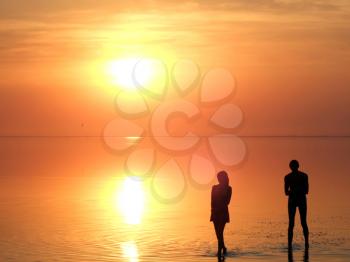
[[296, 186]]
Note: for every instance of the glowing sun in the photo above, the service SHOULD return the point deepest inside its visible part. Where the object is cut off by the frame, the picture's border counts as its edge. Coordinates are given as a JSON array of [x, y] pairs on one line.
[[132, 73]]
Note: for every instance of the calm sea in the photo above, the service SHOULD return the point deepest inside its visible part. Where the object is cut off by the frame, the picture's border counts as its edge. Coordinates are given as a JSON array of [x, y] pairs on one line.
[[52, 218], [54, 230]]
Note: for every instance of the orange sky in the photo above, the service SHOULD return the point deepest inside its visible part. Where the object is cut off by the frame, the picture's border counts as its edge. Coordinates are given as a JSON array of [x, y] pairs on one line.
[[290, 59], [282, 53]]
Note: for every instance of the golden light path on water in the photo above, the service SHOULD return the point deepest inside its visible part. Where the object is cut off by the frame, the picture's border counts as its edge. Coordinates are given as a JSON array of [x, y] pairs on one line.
[[131, 200], [130, 251], [127, 74]]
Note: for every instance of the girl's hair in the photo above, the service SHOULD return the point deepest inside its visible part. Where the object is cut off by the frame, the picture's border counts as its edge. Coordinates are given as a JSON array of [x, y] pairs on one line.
[[223, 178]]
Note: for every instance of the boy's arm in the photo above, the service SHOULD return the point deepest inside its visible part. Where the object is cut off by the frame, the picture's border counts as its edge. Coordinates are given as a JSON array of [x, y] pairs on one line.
[[306, 185], [286, 186]]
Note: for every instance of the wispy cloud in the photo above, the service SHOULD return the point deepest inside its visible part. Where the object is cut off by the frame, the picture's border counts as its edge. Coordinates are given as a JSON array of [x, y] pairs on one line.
[[37, 29]]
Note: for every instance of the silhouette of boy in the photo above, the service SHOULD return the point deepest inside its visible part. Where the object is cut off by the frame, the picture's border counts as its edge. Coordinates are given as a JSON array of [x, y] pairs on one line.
[[296, 186]]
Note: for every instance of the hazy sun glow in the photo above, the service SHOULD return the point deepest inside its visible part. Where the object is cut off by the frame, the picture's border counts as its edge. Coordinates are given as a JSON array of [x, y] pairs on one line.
[[133, 73], [131, 200], [120, 72]]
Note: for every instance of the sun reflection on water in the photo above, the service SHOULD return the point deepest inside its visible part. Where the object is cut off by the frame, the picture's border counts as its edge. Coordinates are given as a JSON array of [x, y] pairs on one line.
[[130, 251], [131, 200]]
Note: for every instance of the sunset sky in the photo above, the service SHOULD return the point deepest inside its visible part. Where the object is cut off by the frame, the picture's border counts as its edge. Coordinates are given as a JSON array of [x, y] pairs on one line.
[[291, 61], [282, 53]]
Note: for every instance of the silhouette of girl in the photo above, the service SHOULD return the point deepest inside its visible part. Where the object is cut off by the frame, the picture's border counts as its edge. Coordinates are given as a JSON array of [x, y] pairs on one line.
[[220, 198]]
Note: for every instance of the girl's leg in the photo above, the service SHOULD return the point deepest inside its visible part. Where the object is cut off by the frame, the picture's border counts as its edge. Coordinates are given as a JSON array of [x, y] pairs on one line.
[[218, 236], [223, 242], [221, 236], [216, 227]]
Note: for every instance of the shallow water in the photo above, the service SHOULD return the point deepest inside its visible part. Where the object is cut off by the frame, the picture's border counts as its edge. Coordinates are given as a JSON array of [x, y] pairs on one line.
[[74, 230], [52, 207]]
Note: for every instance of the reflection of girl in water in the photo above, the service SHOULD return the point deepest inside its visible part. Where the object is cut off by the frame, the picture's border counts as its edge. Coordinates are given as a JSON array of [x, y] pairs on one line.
[[220, 198]]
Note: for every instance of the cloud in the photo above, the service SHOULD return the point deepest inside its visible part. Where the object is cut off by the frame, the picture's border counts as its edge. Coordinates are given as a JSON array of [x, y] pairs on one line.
[[281, 5], [36, 9], [37, 29]]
